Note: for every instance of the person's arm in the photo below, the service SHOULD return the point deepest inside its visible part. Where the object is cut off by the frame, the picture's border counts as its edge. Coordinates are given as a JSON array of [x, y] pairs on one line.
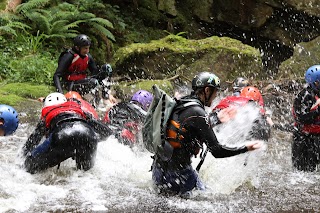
[[92, 66], [100, 128], [199, 126], [63, 66], [302, 107], [35, 138]]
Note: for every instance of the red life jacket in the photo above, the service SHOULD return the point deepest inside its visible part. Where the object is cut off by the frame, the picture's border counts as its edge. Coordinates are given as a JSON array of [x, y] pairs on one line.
[[236, 101], [78, 67], [85, 106], [309, 128], [50, 112]]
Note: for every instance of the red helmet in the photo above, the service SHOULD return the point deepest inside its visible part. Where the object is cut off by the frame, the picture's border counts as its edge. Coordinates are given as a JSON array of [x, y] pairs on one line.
[[251, 93]]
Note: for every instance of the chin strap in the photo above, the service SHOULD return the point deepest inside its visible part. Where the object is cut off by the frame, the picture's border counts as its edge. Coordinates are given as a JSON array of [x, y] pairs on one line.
[[206, 101]]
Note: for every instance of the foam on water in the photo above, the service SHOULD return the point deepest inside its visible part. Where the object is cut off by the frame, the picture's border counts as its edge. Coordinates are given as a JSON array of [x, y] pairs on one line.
[[120, 180]]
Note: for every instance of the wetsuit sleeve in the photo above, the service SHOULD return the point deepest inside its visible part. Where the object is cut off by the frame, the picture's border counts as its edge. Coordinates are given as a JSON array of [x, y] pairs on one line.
[[199, 125], [100, 128], [213, 119], [92, 65], [35, 138], [302, 107], [63, 66]]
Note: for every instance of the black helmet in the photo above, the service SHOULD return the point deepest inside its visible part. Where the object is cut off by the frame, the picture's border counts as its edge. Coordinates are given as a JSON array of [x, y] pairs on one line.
[[240, 82], [205, 79], [81, 41]]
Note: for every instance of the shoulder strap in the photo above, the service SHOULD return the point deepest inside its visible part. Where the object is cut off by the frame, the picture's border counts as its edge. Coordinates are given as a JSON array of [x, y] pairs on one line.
[[186, 103]]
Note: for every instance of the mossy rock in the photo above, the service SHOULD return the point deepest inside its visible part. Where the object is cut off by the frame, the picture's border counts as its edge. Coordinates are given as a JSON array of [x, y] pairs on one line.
[[15, 93], [23, 97], [172, 55], [125, 90], [306, 54]]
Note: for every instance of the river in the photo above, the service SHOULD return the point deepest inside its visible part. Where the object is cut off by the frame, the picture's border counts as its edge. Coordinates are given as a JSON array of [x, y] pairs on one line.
[[121, 182]]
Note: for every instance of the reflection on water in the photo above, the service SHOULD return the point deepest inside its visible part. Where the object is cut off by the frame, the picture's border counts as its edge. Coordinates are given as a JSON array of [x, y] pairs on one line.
[[121, 181]]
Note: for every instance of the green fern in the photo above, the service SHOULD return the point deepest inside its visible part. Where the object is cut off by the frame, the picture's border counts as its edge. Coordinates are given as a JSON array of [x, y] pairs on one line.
[[7, 30], [31, 4], [102, 30], [103, 22]]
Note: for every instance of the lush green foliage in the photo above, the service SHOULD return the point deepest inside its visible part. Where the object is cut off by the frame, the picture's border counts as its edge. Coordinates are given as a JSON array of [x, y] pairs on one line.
[[19, 63]]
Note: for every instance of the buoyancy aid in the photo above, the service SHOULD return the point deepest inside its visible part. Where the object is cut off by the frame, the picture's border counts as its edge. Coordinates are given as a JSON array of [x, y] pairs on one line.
[[78, 67], [235, 101], [50, 112], [313, 128], [175, 132]]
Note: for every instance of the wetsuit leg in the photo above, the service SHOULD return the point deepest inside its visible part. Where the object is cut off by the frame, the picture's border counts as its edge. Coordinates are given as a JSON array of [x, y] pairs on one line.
[[69, 139], [305, 152], [175, 181]]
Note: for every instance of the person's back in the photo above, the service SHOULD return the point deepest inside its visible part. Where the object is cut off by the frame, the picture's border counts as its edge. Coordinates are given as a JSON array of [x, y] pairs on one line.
[[64, 124]]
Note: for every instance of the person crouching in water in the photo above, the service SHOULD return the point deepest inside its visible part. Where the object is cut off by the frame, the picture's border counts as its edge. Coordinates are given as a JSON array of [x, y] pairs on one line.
[[69, 131], [126, 117], [229, 106], [9, 120], [176, 176]]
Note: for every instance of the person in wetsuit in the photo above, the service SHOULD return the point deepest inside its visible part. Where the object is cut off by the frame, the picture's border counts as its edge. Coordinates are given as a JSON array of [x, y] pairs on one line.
[[177, 175], [71, 73], [70, 132], [306, 113], [249, 95], [238, 84], [127, 117]]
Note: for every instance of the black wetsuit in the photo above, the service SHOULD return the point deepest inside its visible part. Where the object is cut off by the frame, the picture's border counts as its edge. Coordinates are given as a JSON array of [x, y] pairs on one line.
[[195, 120], [126, 119], [69, 135], [306, 146]]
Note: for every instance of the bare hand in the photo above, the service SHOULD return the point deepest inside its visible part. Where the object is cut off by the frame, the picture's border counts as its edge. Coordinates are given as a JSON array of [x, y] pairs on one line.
[[253, 145], [269, 121], [315, 105], [112, 99], [41, 99], [227, 114]]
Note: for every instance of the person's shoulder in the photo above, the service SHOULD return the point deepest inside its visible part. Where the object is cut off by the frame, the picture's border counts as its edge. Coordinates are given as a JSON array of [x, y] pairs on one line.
[[90, 56], [305, 91]]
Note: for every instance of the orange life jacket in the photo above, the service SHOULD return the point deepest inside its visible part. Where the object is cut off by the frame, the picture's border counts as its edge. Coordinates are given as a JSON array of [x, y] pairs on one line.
[[175, 131], [50, 112], [78, 67]]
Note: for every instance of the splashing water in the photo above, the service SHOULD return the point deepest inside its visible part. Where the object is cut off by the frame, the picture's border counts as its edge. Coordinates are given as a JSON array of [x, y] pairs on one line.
[[121, 182]]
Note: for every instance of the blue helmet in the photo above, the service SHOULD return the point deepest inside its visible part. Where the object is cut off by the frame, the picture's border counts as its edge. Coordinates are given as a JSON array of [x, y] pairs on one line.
[[312, 76], [10, 118]]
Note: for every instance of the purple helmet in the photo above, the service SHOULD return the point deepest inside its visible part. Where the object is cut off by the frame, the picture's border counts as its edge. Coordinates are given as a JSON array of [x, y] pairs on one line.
[[143, 97]]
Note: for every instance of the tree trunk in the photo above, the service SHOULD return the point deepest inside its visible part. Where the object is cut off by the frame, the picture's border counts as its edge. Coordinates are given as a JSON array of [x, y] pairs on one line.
[[12, 4]]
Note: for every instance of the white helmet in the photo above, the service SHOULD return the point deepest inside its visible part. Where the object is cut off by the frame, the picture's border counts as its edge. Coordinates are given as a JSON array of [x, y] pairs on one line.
[[53, 99]]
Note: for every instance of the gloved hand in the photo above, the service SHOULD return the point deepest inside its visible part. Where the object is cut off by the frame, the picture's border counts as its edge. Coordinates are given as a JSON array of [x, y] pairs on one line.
[[107, 69]]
